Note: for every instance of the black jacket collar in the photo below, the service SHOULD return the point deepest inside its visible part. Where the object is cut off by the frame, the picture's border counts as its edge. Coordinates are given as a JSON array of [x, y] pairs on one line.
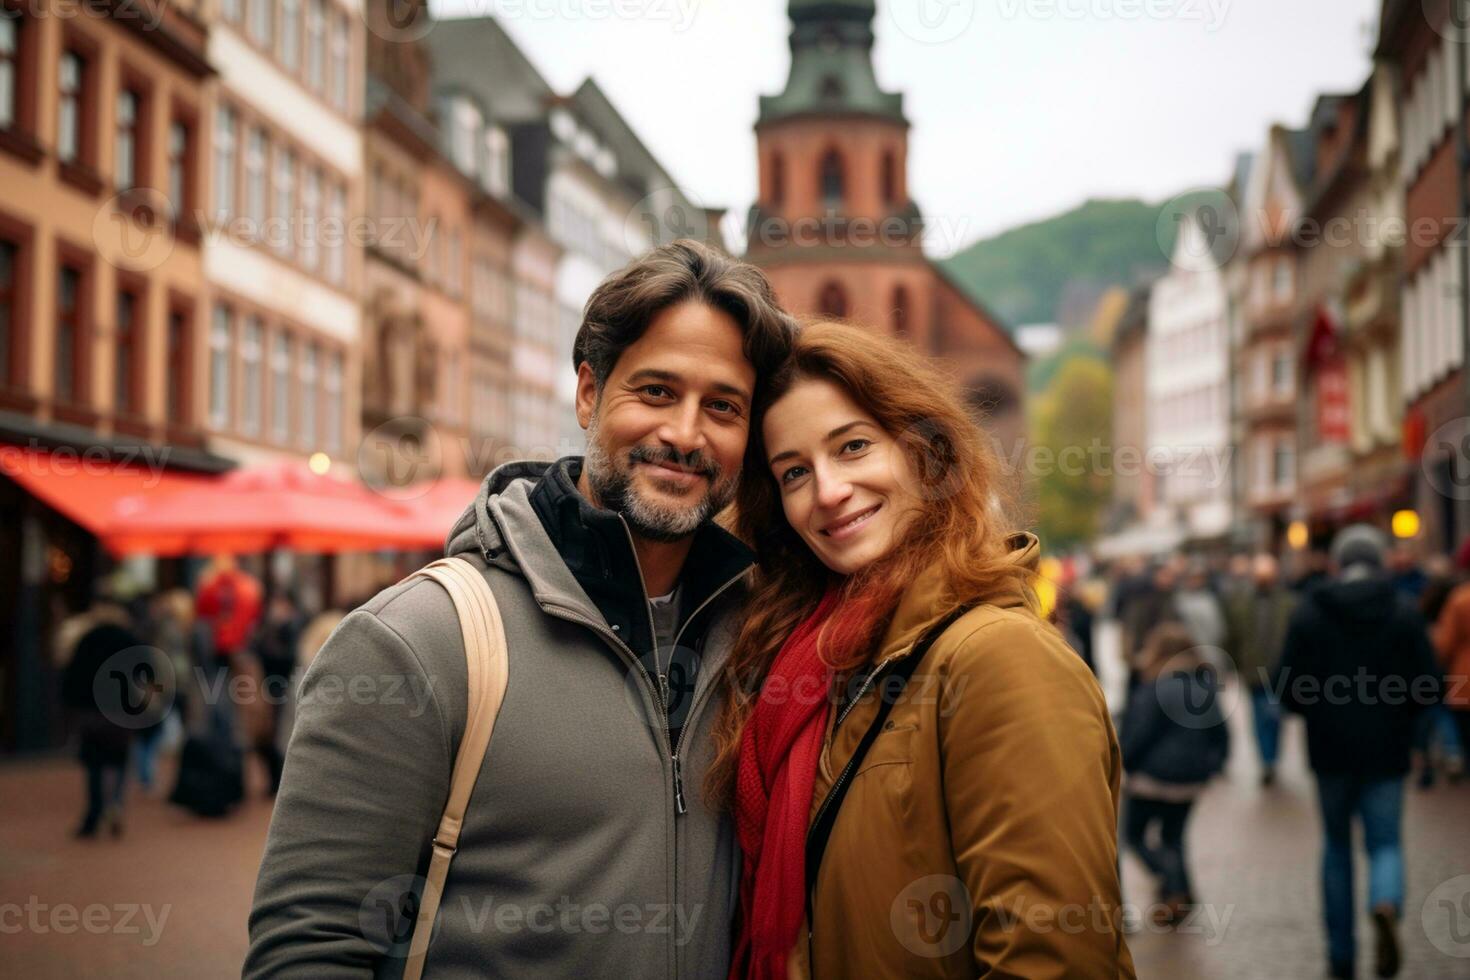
[[598, 551]]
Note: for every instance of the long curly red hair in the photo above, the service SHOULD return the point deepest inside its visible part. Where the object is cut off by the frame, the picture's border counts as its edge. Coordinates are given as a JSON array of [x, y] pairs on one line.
[[963, 523]]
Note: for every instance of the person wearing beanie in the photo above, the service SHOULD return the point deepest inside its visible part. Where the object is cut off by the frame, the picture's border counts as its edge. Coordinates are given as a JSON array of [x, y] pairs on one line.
[[1358, 667]]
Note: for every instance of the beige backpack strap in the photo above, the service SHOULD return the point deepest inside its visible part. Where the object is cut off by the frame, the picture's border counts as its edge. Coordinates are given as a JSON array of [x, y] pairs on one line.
[[488, 670]]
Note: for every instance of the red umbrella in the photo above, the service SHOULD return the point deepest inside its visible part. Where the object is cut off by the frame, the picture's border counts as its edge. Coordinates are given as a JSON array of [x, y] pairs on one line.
[[252, 509]]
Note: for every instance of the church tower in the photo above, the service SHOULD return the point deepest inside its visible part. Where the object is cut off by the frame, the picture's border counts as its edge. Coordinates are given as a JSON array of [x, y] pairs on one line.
[[834, 225]]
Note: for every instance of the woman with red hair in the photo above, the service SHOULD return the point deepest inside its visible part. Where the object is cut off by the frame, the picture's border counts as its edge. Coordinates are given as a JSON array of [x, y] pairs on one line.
[[924, 776]]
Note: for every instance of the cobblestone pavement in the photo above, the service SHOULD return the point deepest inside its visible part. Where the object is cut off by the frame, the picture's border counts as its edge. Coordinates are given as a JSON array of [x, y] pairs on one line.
[[170, 898]]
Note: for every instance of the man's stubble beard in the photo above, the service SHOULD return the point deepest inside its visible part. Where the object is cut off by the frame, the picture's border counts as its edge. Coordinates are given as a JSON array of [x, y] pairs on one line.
[[611, 483]]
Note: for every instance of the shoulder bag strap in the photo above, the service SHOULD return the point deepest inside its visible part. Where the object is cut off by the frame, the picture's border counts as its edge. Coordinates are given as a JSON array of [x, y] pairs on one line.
[[890, 686], [487, 671]]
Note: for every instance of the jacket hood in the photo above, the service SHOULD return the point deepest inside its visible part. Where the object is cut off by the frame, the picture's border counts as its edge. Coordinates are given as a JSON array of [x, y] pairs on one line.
[[1366, 600], [501, 528], [929, 599]]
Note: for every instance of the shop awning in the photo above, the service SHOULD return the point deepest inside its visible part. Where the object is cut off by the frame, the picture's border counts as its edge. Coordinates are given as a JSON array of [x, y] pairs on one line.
[[282, 505], [139, 509], [85, 487]]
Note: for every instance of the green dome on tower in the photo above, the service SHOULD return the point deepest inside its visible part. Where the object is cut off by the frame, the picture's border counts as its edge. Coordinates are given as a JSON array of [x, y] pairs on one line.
[[832, 64]]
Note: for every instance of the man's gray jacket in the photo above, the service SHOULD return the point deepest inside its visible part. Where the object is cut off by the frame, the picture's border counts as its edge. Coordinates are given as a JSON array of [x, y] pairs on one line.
[[588, 849]]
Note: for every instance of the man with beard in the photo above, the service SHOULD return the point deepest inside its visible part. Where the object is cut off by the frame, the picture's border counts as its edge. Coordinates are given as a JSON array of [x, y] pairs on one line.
[[588, 848]]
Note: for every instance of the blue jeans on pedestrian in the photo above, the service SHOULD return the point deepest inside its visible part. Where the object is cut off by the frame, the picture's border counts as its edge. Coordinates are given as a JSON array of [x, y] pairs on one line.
[[1378, 803], [1266, 715]]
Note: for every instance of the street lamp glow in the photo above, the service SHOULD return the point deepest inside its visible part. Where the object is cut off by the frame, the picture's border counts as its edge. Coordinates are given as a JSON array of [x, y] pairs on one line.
[[1405, 524], [1296, 535], [319, 463]]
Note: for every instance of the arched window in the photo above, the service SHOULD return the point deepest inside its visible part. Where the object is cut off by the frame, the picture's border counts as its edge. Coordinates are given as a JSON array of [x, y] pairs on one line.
[[833, 301], [900, 311], [889, 178], [832, 89], [778, 179], [831, 179]]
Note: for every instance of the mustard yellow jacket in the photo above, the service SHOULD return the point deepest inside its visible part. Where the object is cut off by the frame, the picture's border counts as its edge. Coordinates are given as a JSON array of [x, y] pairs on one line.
[[979, 835]]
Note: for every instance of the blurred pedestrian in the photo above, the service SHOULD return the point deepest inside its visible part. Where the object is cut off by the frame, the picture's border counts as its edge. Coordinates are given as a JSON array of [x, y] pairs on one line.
[[1358, 667], [1174, 740], [1197, 606], [275, 647], [228, 602], [1150, 602], [108, 687], [1452, 640], [1255, 628]]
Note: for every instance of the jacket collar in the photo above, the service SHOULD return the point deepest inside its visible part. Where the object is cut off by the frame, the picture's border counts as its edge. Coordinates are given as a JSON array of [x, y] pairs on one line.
[[929, 599]]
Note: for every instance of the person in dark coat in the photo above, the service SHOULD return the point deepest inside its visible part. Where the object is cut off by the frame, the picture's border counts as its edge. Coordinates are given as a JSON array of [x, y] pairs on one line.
[[1358, 667], [112, 687], [1174, 740]]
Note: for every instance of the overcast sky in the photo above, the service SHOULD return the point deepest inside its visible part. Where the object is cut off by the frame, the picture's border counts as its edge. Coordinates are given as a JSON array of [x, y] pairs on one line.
[[1020, 108]]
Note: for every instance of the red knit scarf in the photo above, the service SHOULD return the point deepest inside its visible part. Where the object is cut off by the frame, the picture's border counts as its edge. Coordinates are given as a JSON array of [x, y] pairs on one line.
[[779, 751]]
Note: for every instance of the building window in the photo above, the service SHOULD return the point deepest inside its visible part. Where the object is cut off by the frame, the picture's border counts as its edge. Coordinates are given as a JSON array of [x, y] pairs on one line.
[[260, 22], [220, 344], [336, 244], [125, 353], [10, 76], [285, 191], [465, 124], [311, 207], [1281, 373], [253, 379], [834, 301], [889, 178], [224, 163], [70, 335], [306, 398], [178, 167], [290, 34], [69, 109], [126, 147], [831, 180], [316, 39], [332, 438], [281, 387], [1281, 283], [9, 305], [177, 391], [340, 54], [257, 152], [496, 178], [778, 179], [900, 312], [1281, 464]]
